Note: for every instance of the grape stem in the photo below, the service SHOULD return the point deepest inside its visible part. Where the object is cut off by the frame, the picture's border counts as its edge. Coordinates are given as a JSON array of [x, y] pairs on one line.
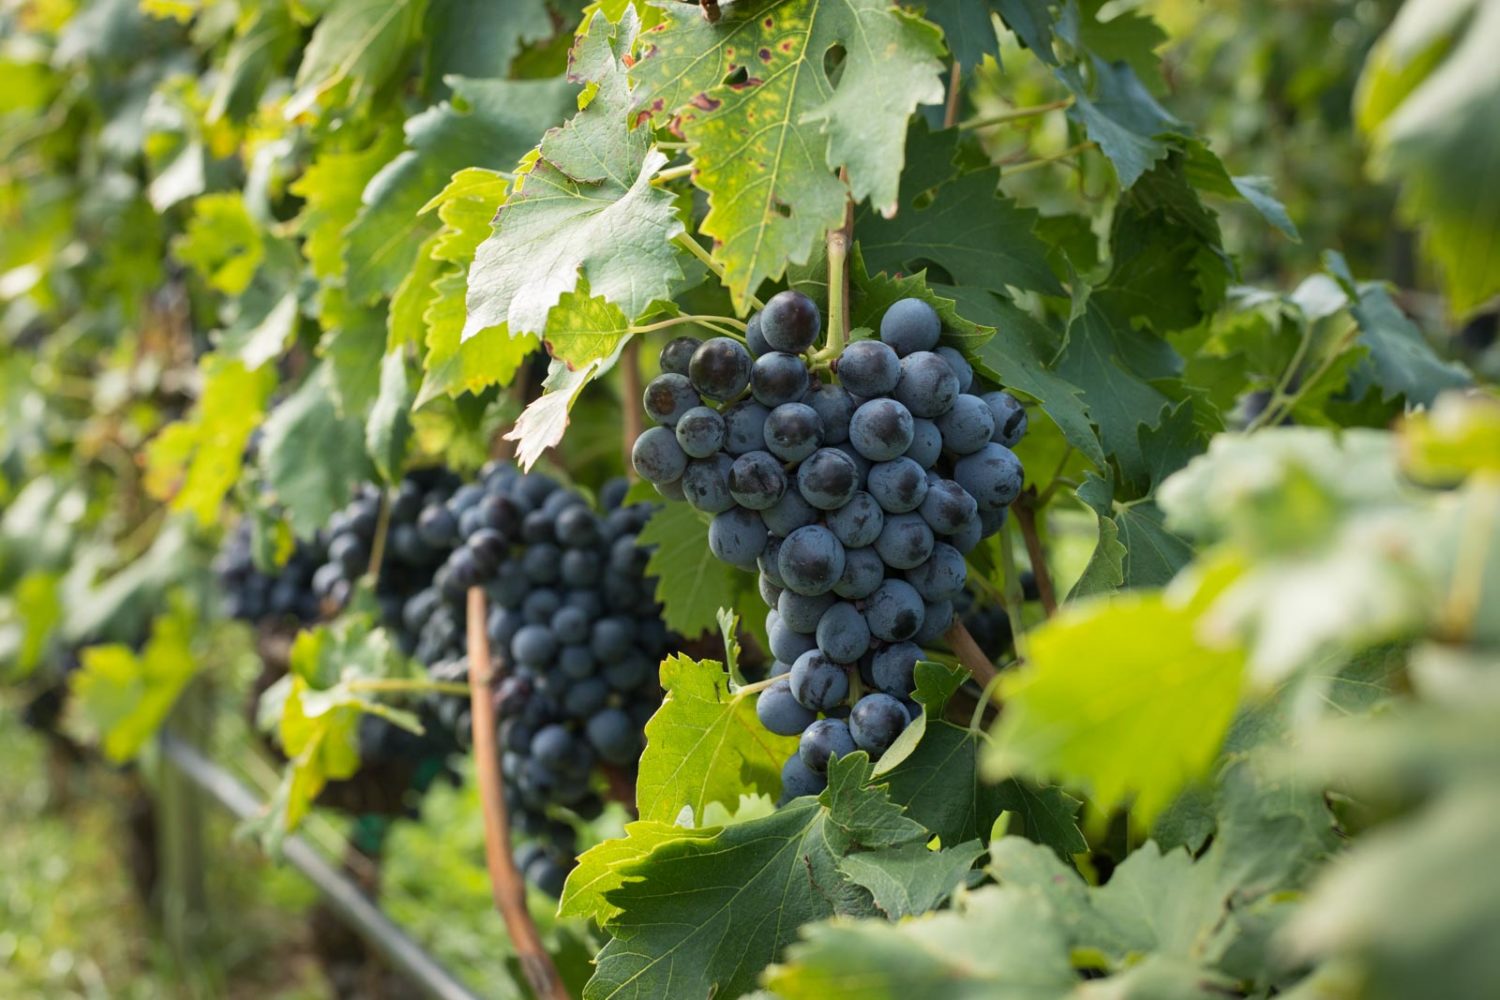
[[735, 328], [1026, 517], [672, 173], [838, 283], [987, 697], [506, 883], [630, 373], [686, 241], [405, 685], [970, 656], [377, 546], [1016, 114], [757, 686], [1042, 161], [955, 77]]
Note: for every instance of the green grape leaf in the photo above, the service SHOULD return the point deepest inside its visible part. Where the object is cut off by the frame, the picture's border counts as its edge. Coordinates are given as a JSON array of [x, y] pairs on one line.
[[388, 428], [193, 463], [1118, 697], [601, 869], [331, 189], [33, 615], [542, 423], [1405, 363], [691, 584], [319, 704], [584, 209], [940, 785], [352, 347], [126, 697], [358, 43], [582, 329], [703, 917], [487, 123], [705, 744], [492, 357], [479, 38], [221, 242], [1117, 112], [913, 878], [311, 456], [996, 943], [1019, 357], [1120, 370], [1428, 99], [766, 148], [263, 41], [956, 221]]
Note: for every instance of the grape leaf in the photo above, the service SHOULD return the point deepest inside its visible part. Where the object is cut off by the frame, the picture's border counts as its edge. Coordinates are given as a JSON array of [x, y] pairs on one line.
[[542, 423], [957, 221], [222, 242], [705, 744], [125, 696], [602, 868], [584, 208], [1405, 363], [691, 584], [581, 328], [358, 42], [1018, 357], [1429, 98], [193, 463], [479, 38], [913, 878], [492, 357], [765, 147], [263, 40], [311, 456], [1117, 697], [1118, 113], [702, 917], [997, 943], [330, 189], [487, 123], [389, 425]]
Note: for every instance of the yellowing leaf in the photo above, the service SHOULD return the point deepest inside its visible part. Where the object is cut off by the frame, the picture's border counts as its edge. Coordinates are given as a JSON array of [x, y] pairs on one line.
[[767, 127], [1118, 697], [127, 697], [194, 462], [705, 744], [222, 243], [1458, 436]]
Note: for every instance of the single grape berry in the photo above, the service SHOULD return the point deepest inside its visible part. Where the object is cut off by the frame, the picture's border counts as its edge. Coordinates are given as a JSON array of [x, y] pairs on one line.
[[781, 713], [910, 325], [811, 560], [868, 368], [756, 480], [797, 779], [801, 612], [778, 378], [790, 322], [658, 457], [881, 430], [737, 536], [858, 522], [678, 354], [828, 479], [1010, 418], [789, 513], [700, 431], [755, 340], [905, 541], [894, 612], [793, 431], [962, 370], [875, 722], [926, 443], [863, 572], [992, 476], [834, 407], [817, 682], [942, 576], [668, 397], [745, 427], [824, 739], [720, 368], [968, 426], [947, 507], [899, 485], [705, 484], [892, 667], [842, 633], [927, 386]]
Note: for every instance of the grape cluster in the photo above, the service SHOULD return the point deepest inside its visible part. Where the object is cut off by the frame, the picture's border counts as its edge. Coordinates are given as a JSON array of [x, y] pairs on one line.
[[854, 498], [253, 595], [574, 620]]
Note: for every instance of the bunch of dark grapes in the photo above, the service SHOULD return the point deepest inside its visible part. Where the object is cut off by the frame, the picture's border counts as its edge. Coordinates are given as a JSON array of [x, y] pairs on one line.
[[855, 498], [250, 594], [411, 556], [573, 621]]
